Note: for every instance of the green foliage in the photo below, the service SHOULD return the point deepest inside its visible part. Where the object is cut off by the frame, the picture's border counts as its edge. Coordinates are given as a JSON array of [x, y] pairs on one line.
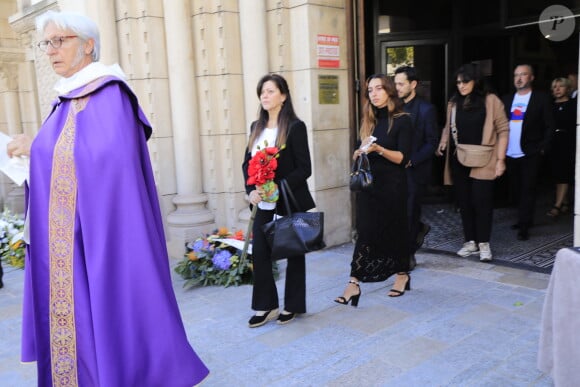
[[399, 56], [12, 247], [214, 260]]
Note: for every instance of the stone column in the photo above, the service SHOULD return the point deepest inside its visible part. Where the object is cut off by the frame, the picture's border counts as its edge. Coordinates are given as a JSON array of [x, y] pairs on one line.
[[13, 195], [253, 31], [9, 87], [103, 12], [191, 216]]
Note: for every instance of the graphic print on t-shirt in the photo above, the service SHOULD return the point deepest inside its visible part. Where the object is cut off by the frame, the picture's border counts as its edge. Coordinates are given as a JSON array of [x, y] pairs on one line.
[[518, 111]]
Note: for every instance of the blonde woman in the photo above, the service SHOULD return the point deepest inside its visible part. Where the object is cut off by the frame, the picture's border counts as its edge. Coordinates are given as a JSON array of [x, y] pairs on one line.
[[562, 152]]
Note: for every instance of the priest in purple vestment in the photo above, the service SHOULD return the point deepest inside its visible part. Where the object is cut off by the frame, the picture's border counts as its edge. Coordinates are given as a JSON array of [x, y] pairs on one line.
[[99, 308]]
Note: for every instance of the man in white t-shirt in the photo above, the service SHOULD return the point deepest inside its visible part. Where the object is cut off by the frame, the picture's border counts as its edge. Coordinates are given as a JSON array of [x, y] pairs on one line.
[[531, 124]]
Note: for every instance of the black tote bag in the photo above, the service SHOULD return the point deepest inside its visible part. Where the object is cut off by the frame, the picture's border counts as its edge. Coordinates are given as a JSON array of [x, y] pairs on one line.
[[297, 233]]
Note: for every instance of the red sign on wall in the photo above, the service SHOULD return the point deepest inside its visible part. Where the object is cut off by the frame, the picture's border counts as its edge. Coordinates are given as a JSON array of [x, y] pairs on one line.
[[328, 51]]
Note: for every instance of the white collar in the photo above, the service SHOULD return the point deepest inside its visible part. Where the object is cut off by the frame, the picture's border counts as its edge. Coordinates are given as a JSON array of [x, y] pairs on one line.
[[88, 74]]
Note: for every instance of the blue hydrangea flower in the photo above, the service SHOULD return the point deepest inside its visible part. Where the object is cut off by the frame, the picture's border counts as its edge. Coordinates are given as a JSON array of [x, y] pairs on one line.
[[197, 245], [221, 259]]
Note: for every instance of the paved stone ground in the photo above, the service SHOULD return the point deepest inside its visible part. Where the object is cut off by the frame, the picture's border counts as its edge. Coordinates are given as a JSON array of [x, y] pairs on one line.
[[464, 323]]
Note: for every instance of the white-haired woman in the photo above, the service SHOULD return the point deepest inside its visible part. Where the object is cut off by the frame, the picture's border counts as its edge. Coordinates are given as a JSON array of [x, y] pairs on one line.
[[99, 308]]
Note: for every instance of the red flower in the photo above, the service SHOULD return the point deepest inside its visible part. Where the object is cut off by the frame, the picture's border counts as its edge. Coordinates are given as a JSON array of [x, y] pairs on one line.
[[262, 166]]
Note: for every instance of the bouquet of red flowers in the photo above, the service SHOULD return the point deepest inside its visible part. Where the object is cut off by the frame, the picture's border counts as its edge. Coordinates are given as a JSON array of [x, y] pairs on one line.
[[261, 171]]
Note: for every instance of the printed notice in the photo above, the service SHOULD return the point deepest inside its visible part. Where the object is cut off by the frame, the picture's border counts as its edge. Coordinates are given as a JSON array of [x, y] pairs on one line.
[[328, 51], [328, 89]]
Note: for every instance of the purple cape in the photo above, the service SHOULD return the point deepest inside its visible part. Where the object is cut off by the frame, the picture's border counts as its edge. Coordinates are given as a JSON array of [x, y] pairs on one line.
[[99, 307]]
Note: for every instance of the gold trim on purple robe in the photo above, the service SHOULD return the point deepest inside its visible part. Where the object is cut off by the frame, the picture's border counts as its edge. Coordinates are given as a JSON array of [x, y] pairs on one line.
[[61, 227]]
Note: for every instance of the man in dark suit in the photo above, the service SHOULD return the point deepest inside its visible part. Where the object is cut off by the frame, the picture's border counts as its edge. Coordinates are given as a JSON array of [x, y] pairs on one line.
[[425, 140], [531, 126]]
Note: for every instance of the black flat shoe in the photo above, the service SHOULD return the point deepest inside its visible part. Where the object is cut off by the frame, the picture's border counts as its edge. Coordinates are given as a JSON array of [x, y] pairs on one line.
[[285, 318], [258, 321], [523, 234], [352, 299], [399, 293]]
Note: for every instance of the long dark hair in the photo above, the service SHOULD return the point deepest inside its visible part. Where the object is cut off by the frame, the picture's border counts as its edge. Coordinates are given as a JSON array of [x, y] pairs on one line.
[[394, 105], [285, 116], [476, 99]]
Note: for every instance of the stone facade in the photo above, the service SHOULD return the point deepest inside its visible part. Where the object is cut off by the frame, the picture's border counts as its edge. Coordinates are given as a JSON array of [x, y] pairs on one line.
[[194, 64]]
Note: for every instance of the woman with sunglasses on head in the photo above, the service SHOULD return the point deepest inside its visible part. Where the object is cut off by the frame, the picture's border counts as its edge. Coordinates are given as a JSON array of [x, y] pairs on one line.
[[382, 245], [477, 117]]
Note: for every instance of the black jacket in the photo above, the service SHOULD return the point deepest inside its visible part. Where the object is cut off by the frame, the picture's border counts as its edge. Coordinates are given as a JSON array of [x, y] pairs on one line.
[[538, 125], [425, 138], [293, 165]]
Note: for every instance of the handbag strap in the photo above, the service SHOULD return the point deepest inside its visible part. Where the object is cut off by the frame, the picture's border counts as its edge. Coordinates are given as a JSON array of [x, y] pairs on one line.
[[287, 193], [453, 125], [361, 162]]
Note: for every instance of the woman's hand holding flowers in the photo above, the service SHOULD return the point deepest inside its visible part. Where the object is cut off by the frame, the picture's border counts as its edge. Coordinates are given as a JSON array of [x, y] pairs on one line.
[[255, 197]]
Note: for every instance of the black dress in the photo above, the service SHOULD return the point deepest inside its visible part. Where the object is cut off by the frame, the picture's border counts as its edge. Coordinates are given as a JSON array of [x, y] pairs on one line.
[[563, 148], [382, 247]]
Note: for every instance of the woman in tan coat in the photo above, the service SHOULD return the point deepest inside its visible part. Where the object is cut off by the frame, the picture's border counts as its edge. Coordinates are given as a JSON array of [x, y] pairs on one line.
[[478, 118]]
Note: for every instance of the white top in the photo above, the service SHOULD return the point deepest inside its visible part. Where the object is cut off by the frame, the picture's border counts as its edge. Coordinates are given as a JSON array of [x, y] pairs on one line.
[[516, 119], [267, 139]]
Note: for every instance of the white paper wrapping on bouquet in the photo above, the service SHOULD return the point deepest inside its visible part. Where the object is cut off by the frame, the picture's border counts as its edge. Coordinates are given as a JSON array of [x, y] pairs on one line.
[[238, 244]]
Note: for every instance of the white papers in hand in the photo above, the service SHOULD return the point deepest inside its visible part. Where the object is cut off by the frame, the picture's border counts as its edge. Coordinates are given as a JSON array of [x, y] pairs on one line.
[[16, 168]]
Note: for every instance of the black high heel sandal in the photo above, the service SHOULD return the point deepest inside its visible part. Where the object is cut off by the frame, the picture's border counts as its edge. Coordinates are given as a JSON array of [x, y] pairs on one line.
[[399, 293], [352, 299]]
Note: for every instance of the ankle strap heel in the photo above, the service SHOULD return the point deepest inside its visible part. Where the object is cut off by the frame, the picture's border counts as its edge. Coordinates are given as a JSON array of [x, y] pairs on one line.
[[353, 299]]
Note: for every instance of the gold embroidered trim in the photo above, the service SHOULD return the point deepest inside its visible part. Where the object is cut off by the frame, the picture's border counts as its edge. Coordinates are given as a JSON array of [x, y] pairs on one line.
[[61, 222]]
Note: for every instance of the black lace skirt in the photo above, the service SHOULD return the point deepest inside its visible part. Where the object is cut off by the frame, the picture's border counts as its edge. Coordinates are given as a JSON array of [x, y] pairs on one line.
[[382, 246]]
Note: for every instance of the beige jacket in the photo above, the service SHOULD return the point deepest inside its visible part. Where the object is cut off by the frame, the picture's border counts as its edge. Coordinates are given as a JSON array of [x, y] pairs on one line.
[[495, 132]]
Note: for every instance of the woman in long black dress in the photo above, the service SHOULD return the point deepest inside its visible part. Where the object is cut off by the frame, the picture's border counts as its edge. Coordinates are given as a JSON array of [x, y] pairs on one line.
[[563, 147], [381, 249]]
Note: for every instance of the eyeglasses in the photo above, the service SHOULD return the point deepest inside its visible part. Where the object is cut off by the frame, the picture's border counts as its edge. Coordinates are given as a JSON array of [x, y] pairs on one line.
[[462, 81], [54, 42]]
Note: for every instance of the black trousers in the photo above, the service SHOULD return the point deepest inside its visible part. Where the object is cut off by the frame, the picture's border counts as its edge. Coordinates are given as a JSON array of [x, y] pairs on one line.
[[415, 193], [523, 178], [475, 201], [265, 293]]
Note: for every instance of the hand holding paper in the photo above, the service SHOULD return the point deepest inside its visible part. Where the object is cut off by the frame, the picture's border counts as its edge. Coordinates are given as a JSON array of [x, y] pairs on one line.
[[16, 168], [367, 143]]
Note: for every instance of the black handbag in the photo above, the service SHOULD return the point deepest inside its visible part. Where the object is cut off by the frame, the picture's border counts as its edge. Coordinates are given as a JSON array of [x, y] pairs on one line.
[[297, 233], [361, 178]]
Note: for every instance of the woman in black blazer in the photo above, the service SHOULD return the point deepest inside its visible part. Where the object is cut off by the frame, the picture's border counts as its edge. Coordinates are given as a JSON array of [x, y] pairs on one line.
[[277, 124]]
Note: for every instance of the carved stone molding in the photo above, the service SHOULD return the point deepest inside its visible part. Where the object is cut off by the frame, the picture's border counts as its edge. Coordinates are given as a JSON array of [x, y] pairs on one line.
[[8, 77]]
